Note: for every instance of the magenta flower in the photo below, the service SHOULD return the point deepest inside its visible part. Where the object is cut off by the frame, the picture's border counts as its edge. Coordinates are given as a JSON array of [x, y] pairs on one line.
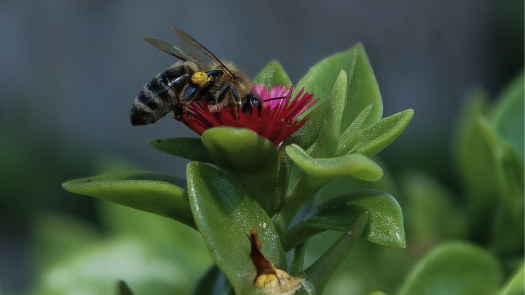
[[277, 120]]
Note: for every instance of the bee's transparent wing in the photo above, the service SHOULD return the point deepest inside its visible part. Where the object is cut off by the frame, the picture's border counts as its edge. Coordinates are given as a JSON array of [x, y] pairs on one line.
[[198, 52], [169, 48]]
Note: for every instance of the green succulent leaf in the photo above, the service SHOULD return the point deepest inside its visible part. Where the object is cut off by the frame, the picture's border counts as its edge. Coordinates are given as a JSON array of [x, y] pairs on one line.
[[308, 134], [157, 193], [351, 136], [322, 269], [239, 149], [475, 161], [214, 282], [353, 165], [508, 115], [272, 75], [427, 201], [189, 148], [253, 161], [385, 222], [454, 268], [362, 87], [381, 134], [123, 289], [515, 286], [331, 129], [378, 293], [224, 214]]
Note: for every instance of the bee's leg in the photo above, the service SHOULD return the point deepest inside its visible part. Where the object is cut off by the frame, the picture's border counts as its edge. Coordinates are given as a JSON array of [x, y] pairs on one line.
[[178, 83], [235, 95], [250, 102], [215, 74], [222, 95], [190, 93]]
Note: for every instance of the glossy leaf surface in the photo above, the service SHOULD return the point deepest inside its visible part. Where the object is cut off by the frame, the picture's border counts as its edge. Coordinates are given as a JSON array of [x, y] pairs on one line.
[[240, 149], [351, 136], [381, 134], [146, 191], [331, 129], [189, 148], [385, 222], [362, 87], [224, 214], [253, 161], [353, 165], [454, 268]]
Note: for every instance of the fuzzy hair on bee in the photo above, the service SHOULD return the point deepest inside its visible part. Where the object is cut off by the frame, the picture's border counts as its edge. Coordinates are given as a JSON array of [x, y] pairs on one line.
[[198, 76]]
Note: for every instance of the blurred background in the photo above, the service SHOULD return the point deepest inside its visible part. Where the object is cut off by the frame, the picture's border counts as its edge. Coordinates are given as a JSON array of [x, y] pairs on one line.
[[69, 71]]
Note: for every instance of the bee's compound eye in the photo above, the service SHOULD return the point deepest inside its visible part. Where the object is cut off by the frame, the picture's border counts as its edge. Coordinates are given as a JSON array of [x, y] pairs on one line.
[[200, 78]]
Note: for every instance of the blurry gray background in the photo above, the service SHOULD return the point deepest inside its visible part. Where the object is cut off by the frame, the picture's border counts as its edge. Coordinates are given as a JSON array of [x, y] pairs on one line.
[[69, 71]]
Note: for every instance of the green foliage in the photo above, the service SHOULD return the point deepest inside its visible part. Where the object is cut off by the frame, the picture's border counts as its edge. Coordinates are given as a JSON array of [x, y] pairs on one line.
[[272, 75], [239, 180], [385, 219], [515, 285], [454, 268], [147, 191], [224, 213], [123, 289], [320, 272], [490, 159]]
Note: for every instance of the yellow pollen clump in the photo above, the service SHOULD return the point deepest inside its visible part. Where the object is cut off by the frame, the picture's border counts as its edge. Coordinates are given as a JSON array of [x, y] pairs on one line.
[[200, 78]]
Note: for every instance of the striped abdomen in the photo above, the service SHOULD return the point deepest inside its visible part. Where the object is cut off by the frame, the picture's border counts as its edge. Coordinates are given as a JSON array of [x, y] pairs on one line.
[[161, 95]]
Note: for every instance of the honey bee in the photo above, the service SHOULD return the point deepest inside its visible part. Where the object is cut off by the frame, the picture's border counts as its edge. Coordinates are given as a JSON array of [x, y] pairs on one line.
[[199, 76]]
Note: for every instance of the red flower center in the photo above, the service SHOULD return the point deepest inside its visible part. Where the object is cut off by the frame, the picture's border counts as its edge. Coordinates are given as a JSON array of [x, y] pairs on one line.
[[276, 121]]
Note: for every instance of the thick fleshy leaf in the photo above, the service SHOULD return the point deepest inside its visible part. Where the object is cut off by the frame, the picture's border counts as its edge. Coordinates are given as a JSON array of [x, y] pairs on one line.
[[331, 129], [381, 134], [475, 162], [214, 282], [351, 136], [322, 269], [515, 286], [427, 201], [189, 148], [353, 165], [123, 289], [385, 222], [510, 172], [272, 75], [95, 269], [508, 115], [224, 214], [308, 134], [253, 161], [454, 268], [146, 191], [378, 293], [362, 86], [242, 150]]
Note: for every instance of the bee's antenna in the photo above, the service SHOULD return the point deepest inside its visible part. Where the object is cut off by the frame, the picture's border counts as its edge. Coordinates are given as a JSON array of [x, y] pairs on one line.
[[275, 98]]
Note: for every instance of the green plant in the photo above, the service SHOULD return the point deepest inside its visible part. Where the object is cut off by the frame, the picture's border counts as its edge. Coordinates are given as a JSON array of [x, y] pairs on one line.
[[239, 180]]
